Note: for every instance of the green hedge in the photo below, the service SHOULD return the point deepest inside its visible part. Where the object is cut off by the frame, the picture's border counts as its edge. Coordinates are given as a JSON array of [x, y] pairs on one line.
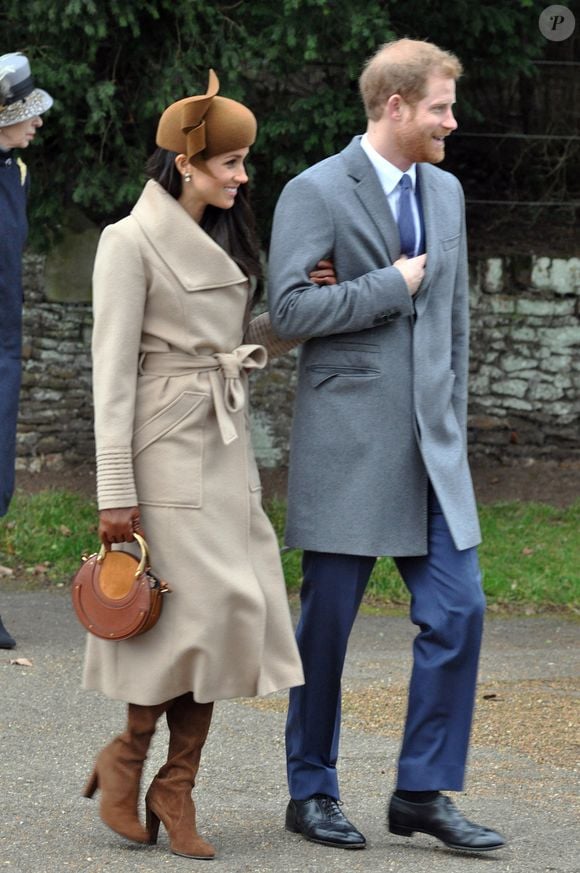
[[113, 65]]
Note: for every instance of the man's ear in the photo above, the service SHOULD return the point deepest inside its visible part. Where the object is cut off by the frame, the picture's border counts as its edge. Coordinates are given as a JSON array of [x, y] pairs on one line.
[[394, 107]]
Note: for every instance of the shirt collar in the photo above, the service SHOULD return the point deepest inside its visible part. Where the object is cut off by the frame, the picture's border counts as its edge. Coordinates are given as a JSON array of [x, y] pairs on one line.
[[389, 175]]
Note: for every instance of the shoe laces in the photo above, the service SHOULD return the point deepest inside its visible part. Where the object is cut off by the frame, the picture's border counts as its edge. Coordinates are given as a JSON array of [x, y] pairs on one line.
[[456, 818], [331, 807]]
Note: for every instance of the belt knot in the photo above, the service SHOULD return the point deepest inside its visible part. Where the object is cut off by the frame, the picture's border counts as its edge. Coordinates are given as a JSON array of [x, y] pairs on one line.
[[224, 371], [231, 366]]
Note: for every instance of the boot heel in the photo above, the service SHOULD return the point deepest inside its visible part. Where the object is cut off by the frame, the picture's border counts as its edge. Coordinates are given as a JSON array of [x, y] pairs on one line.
[[401, 830], [151, 824], [91, 785]]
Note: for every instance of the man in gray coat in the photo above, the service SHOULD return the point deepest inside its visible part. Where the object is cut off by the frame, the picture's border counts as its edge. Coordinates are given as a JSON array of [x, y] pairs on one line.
[[378, 459]]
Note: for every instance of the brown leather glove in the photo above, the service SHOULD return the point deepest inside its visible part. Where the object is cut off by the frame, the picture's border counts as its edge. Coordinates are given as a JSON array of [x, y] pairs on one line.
[[119, 525]]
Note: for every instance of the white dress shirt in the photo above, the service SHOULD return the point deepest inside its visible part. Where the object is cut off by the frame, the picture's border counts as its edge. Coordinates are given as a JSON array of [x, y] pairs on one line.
[[389, 177]]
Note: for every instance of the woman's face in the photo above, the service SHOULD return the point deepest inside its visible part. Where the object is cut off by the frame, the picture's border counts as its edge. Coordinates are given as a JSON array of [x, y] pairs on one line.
[[21, 134], [216, 185]]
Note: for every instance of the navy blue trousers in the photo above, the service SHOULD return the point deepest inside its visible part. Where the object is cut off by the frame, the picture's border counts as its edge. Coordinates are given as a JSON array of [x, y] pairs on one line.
[[447, 605], [10, 367], [13, 231]]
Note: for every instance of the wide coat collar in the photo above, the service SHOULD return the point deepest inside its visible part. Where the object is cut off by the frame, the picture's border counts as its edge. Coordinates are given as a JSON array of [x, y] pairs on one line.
[[372, 197], [195, 258]]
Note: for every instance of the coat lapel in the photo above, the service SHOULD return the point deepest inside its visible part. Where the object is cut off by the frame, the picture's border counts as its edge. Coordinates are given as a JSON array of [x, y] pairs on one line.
[[372, 197], [429, 205], [196, 260]]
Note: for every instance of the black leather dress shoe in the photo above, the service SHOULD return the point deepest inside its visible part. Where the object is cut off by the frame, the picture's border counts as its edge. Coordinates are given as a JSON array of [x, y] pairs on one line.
[[6, 641], [321, 820], [440, 818]]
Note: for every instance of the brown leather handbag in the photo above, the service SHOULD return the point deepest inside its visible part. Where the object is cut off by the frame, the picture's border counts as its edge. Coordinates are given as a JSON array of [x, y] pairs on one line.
[[115, 596]]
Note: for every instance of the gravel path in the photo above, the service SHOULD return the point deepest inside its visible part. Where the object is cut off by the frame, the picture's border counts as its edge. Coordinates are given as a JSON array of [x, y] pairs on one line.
[[523, 777]]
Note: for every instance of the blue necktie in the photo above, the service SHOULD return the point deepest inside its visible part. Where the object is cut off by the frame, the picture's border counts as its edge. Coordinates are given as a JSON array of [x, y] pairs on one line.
[[406, 221]]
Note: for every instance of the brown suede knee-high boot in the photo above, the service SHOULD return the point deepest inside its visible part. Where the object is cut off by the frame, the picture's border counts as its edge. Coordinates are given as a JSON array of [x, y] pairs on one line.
[[169, 796], [118, 771]]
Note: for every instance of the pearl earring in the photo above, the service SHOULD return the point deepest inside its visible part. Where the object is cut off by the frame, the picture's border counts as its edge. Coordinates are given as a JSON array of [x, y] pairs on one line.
[[187, 177]]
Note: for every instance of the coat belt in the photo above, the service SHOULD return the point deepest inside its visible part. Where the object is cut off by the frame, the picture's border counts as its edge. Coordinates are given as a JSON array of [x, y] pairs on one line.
[[224, 370]]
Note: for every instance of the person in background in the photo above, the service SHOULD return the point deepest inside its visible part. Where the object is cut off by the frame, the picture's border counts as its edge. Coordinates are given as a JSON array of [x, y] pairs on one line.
[[378, 459], [173, 346], [21, 107]]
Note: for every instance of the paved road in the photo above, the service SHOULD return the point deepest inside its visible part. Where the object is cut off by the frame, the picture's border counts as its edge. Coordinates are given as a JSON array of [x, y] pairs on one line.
[[50, 731]]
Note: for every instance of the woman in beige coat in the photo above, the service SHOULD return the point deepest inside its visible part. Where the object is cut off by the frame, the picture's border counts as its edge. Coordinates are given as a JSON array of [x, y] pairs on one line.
[[172, 350]]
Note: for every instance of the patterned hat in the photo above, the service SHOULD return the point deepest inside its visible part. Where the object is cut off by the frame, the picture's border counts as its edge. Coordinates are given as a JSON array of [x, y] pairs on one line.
[[19, 99], [207, 125]]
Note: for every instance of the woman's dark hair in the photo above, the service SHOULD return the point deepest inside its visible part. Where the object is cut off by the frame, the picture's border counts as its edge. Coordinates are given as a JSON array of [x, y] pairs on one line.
[[233, 229]]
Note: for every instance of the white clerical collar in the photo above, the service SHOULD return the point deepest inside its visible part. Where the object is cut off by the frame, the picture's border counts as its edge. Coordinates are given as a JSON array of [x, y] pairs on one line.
[[389, 175]]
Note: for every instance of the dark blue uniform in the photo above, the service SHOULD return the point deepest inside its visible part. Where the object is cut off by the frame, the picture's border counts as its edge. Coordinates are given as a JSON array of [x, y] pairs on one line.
[[13, 233]]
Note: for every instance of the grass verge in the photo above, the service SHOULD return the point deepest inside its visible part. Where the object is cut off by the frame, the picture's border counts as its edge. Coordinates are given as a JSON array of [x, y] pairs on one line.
[[43, 536], [530, 553]]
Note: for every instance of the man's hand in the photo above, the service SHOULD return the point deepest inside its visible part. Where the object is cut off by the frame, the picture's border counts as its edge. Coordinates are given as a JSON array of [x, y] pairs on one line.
[[323, 274], [118, 525], [412, 271]]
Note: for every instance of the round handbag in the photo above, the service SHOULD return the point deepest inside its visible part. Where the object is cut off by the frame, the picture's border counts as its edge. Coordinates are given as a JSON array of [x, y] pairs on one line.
[[116, 596]]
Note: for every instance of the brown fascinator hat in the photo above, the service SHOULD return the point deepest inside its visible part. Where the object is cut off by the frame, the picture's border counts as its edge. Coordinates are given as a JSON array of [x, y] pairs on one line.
[[205, 126]]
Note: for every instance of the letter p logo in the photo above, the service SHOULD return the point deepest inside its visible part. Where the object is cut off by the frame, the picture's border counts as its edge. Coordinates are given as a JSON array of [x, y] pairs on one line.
[[557, 23]]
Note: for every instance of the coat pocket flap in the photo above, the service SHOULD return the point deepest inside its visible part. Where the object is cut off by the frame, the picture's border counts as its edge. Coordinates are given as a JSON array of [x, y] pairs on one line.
[[319, 373], [165, 420], [450, 243]]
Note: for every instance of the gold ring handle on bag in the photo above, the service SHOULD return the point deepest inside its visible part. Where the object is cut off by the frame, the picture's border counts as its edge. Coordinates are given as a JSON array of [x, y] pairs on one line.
[[111, 602], [144, 554]]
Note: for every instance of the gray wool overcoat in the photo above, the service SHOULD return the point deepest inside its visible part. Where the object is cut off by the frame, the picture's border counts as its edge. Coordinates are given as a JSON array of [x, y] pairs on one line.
[[381, 403]]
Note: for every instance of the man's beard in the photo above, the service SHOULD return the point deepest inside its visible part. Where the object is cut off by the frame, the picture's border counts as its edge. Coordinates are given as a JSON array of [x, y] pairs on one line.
[[418, 146]]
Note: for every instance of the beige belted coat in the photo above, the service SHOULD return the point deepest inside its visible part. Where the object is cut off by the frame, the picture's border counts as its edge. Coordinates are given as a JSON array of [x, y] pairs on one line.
[[171, 427]]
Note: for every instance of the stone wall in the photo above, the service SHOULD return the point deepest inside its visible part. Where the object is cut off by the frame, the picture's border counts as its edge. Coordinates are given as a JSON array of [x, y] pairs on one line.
[[525, 358], [525, 370], [56, 416]]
